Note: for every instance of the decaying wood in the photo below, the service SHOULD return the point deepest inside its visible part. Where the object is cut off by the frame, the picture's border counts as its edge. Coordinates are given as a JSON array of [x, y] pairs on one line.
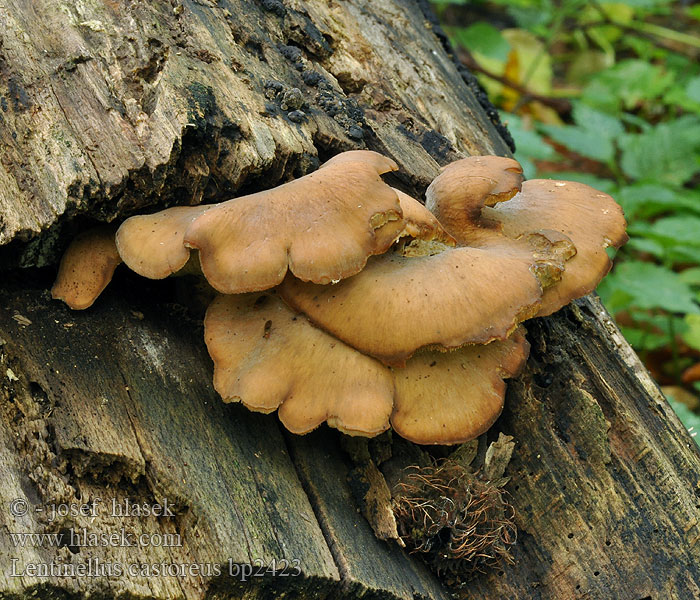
[[117, 403], [112, 106], [605, 480], [108, 107]]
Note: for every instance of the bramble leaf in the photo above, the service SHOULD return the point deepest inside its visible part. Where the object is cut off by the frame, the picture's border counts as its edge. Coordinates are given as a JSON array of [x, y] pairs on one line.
[[649, 286]]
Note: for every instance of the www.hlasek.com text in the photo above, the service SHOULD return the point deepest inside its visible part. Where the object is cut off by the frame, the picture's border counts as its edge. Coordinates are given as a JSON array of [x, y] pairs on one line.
[[81, 537]]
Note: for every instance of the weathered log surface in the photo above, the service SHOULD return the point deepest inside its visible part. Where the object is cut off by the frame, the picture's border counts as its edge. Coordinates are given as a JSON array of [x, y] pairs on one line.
[[605, 479], [107, 107], [110, 106], [116, 403]]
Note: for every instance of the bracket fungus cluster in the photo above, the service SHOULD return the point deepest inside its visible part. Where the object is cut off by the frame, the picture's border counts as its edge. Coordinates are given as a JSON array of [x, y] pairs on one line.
[[343, 300]]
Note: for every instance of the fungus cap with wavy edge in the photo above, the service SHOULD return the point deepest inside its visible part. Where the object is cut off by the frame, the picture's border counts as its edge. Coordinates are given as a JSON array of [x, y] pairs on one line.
[[398, 304], [453, 397], [153, 245], [322, 227], [448, 297], [483, 193], [86, 268], [592, 220], [463, 188], [269, 357], [420, 224]]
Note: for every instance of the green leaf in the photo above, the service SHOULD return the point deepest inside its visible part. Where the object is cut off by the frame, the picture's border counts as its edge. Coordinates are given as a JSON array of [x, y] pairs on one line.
[[593, 134], [666, 249], [645, 49], [680, 230], [620, 12], [635, 121], [646, 246], [528, 143], [529, 167], [690, 420], [614, 298], [484, 39], [650, 286], [598, 93], [644, 200], [643, 340], [667, 153], [690, 276], [692, 333], [628, 83], [692, 89], [530, 14], [677, 97], [649, 4], [604, 36], [681, 255], [587, 63], [583, 141], [589, 118], [659, 323]]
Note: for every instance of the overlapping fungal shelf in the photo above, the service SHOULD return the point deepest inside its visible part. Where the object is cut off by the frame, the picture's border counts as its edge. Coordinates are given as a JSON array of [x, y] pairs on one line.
[[345, 301]]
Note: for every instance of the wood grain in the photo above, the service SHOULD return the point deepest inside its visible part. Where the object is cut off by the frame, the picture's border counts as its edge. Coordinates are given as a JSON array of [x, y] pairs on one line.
[[116, 403], [109, 107]]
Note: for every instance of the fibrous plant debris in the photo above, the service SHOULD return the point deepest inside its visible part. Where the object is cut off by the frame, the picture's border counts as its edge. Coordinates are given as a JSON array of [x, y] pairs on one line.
[[459, 523]]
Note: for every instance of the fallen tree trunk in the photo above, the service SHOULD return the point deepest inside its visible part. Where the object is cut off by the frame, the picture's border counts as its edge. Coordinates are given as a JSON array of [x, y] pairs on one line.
[[110, 108]]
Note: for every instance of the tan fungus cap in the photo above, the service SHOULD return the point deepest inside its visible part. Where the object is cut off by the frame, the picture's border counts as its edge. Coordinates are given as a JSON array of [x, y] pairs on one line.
[[322, 227], [420, 223], [447, 297], [463, 188], [153, 245], [459, 296], [591, 219], [453, 397], [86, 268], [270, 358]]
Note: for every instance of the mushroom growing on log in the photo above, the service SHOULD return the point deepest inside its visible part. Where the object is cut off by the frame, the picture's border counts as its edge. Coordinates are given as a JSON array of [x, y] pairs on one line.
[[322, 227], [421, 336], [269, 357], [86, 268]]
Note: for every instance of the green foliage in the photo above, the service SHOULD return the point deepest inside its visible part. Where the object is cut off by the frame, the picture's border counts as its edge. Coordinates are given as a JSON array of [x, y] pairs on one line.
[[582, 140], [626, 85], [531, 146], [484, 39], [648, 286], [692, 334], [631, 72], [647, 200], [667, 153], [692, 89], [690, 420]]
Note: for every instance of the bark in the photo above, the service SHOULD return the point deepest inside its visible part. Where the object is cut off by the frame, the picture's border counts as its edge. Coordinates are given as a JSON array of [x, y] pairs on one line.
[[109, 108]]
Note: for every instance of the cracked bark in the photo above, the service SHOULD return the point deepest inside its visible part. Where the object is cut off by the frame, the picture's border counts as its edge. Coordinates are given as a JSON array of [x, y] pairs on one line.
[[107, 108]]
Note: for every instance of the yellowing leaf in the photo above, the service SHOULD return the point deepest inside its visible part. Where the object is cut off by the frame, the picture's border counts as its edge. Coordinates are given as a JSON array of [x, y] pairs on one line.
[[534, 62]]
